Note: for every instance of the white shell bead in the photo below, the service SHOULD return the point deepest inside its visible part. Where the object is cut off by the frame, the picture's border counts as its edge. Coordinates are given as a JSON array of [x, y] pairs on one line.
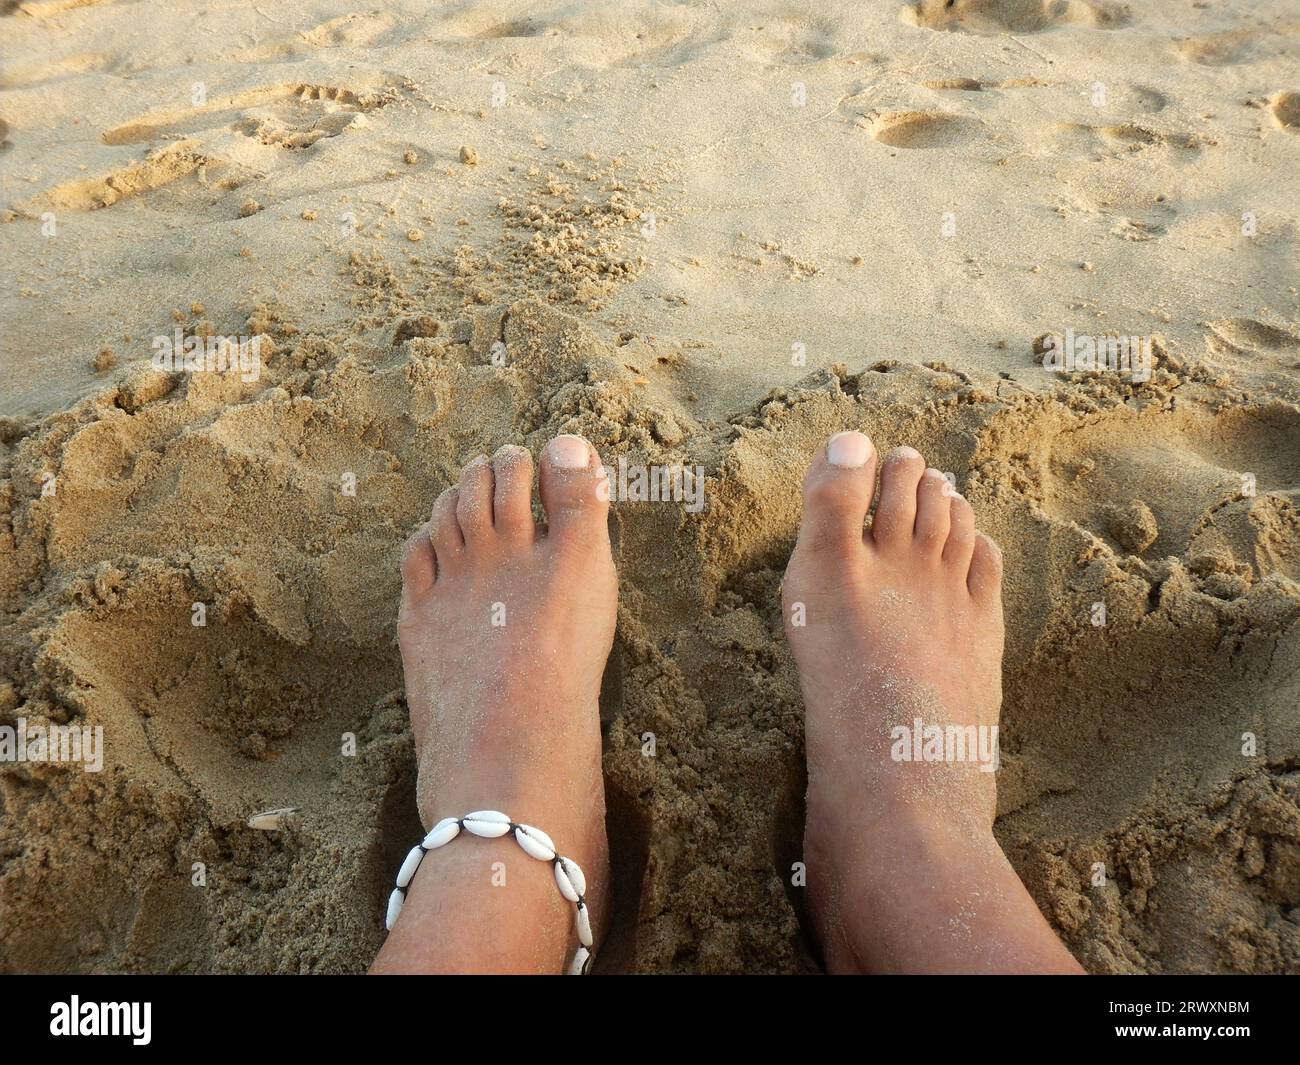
[[394, 908], [487, 823], [409, 866], [563, 882], [442, 833], [579, 962], [584, 925], [575, 877], [535, 842]]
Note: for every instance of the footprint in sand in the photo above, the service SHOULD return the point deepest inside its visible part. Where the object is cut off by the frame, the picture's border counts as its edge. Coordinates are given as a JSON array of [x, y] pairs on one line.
[[286, 116], [294, 116], [1139, 230], [657, 35], [528, 26], [158, 168], [1239, 479], [954, 85], [43, 70], [1152, 516], [1246, 344], [1114, 141], [1014, 16], [228, 698], [1149, 100], [921, 129], [1219, 49], [351, 30], [298, 123], [1132, 211], [806, 48]]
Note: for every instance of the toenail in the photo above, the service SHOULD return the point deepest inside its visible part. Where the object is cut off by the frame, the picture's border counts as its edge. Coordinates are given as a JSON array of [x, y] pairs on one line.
[[904, 452], [945, 485], [510, 451], [850, 449], [568, 452]]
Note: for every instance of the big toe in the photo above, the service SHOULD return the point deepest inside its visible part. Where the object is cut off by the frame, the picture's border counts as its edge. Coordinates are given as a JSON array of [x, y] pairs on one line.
[[575, 492], [837, 493]]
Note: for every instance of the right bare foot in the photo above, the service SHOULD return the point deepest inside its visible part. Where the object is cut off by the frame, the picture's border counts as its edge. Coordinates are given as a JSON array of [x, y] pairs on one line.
[[888, 626]]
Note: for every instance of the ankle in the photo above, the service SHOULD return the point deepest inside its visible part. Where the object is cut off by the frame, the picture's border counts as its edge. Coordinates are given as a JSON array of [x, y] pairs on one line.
[[869, 851], [885, 870], [893, 801], [574, 817], [916, 841]]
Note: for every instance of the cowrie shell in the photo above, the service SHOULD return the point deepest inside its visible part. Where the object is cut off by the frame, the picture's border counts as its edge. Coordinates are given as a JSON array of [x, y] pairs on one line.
[[578, 967], [486, 823], [394, 908], [442, 833], [274, 820], [409, 866], [535, 842], [569, 879], [584, 925]]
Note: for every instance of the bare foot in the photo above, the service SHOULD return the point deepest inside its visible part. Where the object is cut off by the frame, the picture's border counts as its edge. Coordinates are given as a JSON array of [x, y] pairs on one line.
[[893, 628], [504, 631]]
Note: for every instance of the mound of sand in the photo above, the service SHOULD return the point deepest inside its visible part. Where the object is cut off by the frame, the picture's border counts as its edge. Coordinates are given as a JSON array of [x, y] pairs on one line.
[[644, 283]]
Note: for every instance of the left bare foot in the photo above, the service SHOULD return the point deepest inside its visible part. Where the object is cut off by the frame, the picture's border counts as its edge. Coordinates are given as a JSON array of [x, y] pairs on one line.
[[504, 631]]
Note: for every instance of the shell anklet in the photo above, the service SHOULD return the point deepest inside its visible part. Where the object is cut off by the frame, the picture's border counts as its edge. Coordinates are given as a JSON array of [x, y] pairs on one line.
[[491, 824]]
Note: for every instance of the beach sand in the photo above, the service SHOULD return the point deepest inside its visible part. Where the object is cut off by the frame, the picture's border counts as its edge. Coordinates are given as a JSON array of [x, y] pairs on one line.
[[694, 233]]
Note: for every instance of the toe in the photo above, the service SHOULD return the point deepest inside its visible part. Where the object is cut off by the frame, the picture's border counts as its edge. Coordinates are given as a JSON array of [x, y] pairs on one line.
[[444, 530], [896, 512], [418, 567], [474, 506], [985, 577], [512, 498], [961, 535], [933, 511], [837, 492], [575, 491]]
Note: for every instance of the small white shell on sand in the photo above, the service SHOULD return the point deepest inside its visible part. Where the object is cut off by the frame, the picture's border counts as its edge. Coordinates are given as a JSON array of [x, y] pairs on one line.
[[535, 843], [584, 925], [578, 966], [409, 866], [273, 820], [486, 823], [569, 879], [442, 833], [395, 901]]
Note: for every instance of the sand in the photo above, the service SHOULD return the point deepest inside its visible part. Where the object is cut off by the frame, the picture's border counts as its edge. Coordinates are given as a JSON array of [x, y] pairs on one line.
[[695, 233]]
